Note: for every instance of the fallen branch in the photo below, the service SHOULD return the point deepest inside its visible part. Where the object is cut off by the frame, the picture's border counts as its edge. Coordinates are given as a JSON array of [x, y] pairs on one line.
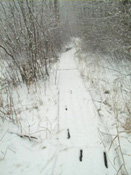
[[25, 136]]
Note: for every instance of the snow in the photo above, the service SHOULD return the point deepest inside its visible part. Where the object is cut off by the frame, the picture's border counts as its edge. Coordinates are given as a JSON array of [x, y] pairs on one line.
[[58, 129], [77, 114], [108, 81], [27, 145]]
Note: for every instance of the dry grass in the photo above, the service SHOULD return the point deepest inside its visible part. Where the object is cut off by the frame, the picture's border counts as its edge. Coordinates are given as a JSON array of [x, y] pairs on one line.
[[109, 80], [26, 105]]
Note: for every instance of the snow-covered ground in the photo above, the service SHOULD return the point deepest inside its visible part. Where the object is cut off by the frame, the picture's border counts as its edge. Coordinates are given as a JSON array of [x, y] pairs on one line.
[[81, 150], [109, 82], [64, 126], [28, 143]]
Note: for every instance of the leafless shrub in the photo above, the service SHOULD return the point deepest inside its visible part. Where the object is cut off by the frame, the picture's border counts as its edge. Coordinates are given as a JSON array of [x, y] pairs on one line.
[[105, 27], [30, 41], [29, 38]]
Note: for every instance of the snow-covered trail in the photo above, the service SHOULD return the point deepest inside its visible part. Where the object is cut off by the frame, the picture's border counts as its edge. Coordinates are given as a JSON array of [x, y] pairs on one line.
[[81, 151]]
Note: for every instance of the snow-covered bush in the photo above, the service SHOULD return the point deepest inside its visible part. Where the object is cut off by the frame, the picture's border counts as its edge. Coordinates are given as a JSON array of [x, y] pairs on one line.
[[30, 37], [105, 27], [109, 80]]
